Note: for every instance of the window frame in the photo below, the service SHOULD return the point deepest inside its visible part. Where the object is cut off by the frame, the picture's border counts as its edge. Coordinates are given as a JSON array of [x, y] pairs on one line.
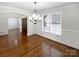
[[61, 14]]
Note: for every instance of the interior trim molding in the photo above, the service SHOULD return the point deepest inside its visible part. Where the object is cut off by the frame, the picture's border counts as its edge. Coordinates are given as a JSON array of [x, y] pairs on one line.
[[1, 34], [71, 31]]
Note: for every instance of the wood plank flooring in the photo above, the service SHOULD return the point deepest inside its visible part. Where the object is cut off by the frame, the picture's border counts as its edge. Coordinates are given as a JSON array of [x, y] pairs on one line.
[[16, 44]]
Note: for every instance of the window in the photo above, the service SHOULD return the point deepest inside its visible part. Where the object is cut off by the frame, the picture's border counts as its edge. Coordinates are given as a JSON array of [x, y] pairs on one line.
[[52, 24], [13, 23], [46, 23]]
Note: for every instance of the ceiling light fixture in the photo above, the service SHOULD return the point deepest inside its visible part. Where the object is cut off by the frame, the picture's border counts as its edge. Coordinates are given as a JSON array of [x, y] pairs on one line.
[[35, 17]]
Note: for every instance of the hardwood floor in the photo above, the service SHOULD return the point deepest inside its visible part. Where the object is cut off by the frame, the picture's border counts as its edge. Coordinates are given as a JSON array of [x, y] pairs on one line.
[[17, 44]]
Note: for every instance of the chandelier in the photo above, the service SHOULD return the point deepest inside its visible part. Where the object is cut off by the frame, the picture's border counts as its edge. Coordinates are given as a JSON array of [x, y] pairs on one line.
[[35, 17]]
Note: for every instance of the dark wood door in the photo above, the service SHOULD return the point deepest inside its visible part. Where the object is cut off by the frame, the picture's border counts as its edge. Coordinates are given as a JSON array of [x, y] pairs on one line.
[[24, 25]]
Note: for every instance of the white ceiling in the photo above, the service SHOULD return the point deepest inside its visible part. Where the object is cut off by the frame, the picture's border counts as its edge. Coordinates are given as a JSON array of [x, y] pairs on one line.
[[30, 5]]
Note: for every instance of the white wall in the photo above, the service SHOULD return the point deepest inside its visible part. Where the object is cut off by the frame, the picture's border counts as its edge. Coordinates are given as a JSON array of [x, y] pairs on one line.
[[70, 25], [3, 25], [10, 12], [71, 17]]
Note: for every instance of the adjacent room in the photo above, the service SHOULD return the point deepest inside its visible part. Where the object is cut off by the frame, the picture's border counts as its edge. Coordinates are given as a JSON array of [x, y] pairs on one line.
[[39, 29]]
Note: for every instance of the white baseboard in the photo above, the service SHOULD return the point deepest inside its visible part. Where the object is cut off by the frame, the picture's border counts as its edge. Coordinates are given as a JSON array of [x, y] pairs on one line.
[[13, 27], [29, 34]]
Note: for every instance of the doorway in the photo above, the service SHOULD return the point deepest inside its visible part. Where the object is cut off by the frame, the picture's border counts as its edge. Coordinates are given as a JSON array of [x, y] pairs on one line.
[[24, 25]]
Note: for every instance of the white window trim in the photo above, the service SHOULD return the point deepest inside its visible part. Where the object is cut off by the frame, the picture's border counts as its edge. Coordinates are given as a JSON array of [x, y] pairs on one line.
[[61, 14]]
